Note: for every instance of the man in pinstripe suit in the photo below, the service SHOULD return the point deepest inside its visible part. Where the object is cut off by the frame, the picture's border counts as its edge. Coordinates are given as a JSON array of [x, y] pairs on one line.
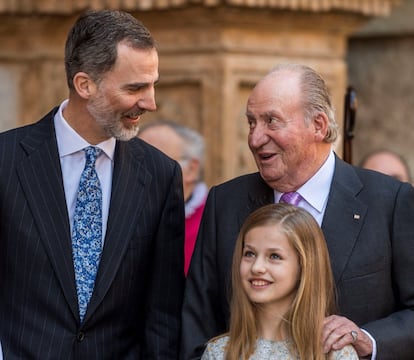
[[134, 311]]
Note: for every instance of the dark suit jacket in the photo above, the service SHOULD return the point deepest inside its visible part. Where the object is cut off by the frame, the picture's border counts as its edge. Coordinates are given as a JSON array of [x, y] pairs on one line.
[[369, 229], [134, 312]]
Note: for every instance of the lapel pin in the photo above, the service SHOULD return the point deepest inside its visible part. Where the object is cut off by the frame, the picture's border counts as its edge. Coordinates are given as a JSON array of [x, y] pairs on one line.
[[357, 216]]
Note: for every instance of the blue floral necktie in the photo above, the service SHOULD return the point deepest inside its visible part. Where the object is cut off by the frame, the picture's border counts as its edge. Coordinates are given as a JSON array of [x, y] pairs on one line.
[[87, 230]]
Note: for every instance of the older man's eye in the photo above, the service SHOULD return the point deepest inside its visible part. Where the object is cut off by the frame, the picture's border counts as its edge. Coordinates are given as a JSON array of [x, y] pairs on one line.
[[251, 123], [273, 121]]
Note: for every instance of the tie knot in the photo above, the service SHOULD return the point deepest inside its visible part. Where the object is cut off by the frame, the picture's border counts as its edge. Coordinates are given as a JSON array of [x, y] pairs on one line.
[[292, 198], [91, 153]]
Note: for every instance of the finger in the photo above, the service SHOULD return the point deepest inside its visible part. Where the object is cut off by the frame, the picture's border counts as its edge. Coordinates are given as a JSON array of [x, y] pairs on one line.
[[334, 326], [346, 339], [331, 319], [333, 338], [363, 344], [354, 335], [329, 325], [336, 333]]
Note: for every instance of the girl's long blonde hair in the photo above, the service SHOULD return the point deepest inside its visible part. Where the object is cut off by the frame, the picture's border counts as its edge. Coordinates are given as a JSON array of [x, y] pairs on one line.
[[315, 297]]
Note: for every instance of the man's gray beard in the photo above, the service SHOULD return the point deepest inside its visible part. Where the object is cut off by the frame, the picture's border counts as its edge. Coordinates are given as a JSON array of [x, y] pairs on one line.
[[120, 132], [113, 129]]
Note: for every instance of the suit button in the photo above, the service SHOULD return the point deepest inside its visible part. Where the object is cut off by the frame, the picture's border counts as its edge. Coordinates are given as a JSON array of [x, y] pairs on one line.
[[80, 336]]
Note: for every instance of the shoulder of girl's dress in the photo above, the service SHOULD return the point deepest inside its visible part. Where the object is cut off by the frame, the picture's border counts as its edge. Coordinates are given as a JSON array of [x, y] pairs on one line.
[[215, 348], [346, 353]]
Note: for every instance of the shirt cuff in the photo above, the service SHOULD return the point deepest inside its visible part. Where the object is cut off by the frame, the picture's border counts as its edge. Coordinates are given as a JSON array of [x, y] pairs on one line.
[[374, 346]]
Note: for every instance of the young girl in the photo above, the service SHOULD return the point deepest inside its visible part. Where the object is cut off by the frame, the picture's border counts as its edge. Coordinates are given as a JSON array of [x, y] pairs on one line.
[[282, 290]]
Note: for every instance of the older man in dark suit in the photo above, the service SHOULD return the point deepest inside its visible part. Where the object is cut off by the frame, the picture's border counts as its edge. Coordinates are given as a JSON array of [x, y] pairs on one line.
[[366, 217], [92, 218]]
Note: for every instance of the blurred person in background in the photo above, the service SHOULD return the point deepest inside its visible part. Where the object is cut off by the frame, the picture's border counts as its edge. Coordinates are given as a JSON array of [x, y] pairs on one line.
[[186, 146], [387, 162]]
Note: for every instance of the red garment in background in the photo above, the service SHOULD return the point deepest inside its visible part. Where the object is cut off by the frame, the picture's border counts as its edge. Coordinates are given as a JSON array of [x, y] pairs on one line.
[[193, 213]]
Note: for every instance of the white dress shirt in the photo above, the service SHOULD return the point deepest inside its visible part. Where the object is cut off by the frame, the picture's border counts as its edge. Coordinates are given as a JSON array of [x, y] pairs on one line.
[[72, 161], [315, 191]]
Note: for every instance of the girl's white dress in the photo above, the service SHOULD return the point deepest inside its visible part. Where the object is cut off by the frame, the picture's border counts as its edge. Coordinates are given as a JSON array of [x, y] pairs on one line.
[[266, 350]]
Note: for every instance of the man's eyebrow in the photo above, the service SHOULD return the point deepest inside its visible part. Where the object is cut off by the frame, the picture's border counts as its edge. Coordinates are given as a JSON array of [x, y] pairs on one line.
[[139, 85]]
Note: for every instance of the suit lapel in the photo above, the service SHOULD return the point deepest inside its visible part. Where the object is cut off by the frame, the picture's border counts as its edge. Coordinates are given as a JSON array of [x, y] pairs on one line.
[[260, 194], [41, 179], [344, 216], [127, 198]]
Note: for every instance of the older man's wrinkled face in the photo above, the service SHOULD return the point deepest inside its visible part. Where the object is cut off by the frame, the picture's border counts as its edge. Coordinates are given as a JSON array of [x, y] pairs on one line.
[[280, 140]]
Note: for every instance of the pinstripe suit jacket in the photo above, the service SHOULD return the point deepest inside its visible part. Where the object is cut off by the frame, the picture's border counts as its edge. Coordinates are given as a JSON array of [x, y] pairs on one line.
[[134, 312], [369, 229]]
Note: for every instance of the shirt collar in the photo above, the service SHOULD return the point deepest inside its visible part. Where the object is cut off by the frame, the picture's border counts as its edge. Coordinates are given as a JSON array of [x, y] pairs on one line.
[[316, 190], [69, 141]]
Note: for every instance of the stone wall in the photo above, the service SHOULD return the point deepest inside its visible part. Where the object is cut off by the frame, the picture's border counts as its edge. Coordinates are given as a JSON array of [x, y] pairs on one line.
[[210, 58], [381, 68], [383, 73]]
